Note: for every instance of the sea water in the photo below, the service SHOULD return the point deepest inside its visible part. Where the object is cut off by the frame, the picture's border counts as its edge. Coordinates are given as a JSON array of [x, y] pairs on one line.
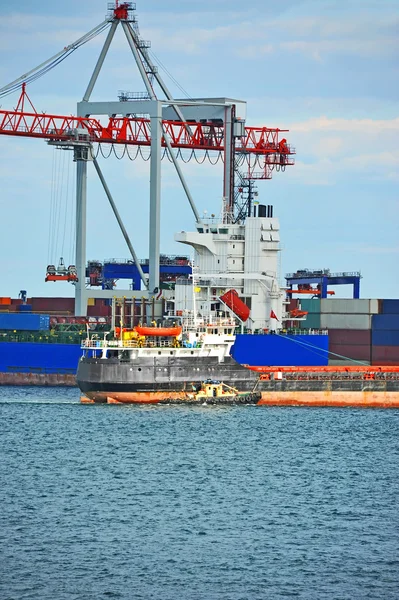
[[196, 503]]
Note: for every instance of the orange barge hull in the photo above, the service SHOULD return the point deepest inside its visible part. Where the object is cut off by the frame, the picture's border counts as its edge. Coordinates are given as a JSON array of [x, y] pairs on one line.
[[328, 398], [135, 397], [359, 399]]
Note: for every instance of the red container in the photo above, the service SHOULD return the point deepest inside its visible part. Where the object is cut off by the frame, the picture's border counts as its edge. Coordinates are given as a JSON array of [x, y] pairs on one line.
[[53, 305], [351, 337], [99, 311], [233, 301], [385, 355], [356, 352], [294, 303]]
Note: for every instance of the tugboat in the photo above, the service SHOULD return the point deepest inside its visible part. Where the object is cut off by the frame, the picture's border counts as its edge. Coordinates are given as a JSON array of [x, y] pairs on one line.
[[216, 392]]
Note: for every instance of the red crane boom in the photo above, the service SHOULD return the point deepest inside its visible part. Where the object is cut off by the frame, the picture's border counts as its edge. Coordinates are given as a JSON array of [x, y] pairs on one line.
[[258, 141]]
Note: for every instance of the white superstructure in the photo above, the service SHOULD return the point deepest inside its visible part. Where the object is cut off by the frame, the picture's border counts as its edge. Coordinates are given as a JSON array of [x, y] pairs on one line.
[[243, 257]]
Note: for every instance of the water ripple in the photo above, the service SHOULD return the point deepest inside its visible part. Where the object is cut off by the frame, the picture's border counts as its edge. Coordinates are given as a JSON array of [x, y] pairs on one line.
[[196, 503]]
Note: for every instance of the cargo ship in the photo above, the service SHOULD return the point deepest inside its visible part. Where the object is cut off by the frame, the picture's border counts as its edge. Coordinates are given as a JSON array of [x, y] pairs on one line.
[[234, 272], [234, 285], [162, 368]]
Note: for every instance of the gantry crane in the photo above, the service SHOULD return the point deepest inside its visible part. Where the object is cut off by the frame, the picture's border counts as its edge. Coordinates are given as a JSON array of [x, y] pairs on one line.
[[169, 126]]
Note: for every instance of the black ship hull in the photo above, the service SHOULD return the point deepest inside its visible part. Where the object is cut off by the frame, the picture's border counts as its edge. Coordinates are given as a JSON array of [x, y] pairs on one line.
[[176, 379]]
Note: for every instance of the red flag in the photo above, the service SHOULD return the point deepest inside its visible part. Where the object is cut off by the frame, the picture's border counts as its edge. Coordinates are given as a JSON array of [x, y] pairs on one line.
[[273, 315]]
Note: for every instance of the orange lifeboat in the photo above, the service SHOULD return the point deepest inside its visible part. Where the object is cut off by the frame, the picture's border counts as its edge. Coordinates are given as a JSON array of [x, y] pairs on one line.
[[233, 301], [159, 331], [297, 313]]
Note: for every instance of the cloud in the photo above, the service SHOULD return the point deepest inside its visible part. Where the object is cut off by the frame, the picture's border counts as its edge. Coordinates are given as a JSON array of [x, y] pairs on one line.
[[366, 49], [332, 150], [20, 32], [323, 123]]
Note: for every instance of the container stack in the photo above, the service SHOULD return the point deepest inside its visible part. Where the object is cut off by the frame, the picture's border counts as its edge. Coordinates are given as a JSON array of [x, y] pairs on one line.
[[349, 324], [312, 306], [54, 306], [24, 322], [385, 334]]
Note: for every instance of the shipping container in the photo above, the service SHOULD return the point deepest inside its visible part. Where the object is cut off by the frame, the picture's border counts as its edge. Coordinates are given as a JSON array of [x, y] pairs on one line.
[[390, 307], [101, 302], [294, 303], [345, 321], [53, 305], [350, 336], [312, 305], [385, 322], [39, 358], [358, 352], [345, 363], [91, 301], [385, 337], [24, 307], [6, 308], [312, 321], [24, 322], [281, 350], [99, 311], [349, 306], [385, 355], [5, 300]]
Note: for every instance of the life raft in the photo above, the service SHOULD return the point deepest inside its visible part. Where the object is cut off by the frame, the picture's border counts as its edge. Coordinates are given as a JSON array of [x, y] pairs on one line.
[[159, 331]]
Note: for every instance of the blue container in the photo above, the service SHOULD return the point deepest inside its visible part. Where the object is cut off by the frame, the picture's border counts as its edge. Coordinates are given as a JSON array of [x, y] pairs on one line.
[[27, 357], [385, 337], [24, 322], [390, 307], [25, 307], [390, 321], [281, 350]]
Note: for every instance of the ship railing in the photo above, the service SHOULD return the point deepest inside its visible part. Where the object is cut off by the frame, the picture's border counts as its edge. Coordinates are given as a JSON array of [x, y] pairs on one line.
[[347, 375], [322, 273], [115, 344], [302, 331], [164, 259], [147, 344]]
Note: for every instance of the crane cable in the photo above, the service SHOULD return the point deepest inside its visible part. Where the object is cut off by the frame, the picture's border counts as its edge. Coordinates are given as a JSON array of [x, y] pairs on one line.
[[52, 62], [61, 213], [53, 208]]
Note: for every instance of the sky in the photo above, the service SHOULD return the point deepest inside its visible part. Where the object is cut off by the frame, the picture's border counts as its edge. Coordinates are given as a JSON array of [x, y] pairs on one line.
[[326, 70]]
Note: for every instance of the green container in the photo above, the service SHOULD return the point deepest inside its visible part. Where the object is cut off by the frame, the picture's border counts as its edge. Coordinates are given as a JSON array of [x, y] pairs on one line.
[[312, 321], [312, 305]]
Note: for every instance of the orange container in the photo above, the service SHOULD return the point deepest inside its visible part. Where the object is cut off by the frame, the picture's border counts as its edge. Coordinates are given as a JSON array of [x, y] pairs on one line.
[[4, 300]]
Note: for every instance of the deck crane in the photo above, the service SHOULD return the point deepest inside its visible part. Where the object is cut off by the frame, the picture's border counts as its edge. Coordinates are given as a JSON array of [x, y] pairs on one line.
[[167, 128]]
